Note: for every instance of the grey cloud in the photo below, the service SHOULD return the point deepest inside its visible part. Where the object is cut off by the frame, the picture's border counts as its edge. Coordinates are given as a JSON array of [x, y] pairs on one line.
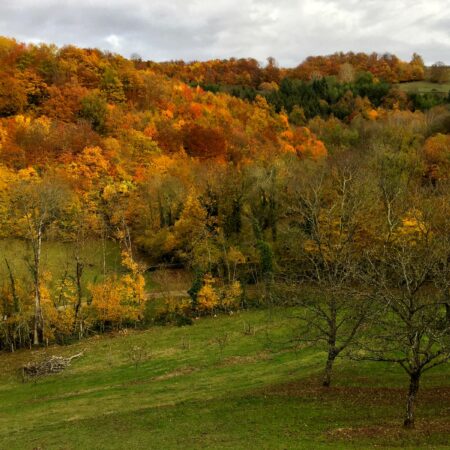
[[289, 30]]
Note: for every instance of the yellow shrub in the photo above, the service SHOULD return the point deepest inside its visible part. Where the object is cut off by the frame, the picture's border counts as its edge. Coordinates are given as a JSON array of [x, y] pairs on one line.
[[207, 298], [232, 296]]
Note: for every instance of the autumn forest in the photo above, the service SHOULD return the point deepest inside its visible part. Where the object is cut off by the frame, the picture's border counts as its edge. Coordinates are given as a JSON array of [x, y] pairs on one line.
[[138, 196]]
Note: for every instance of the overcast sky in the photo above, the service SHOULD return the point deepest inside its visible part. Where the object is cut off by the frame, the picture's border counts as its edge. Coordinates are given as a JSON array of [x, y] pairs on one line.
[[288, 30]]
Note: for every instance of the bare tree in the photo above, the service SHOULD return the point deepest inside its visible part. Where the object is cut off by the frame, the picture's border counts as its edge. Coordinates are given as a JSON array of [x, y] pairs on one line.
[[330, 209], [38, 204], [409, 273], [78, 255]]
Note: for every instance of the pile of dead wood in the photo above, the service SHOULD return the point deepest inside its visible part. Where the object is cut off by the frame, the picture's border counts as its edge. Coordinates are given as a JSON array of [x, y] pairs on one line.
[[54, 364]]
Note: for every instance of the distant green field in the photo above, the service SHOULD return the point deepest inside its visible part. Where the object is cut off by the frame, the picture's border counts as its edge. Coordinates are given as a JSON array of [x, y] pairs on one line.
[[423, 87], [231, 382], [57, 258]]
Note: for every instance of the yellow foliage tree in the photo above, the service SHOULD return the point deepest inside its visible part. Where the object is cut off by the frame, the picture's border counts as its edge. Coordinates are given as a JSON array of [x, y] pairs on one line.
[[437, 156], [119, 300], [189, 229], [232, 296], [207, 298]]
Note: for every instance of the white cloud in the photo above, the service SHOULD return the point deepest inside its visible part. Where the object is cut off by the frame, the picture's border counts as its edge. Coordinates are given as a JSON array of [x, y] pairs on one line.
[[114, 41], [289, 30]]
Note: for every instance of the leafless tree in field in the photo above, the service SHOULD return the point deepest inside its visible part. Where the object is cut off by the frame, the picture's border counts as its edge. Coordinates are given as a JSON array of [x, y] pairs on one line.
[[410, 275], [332, 211]]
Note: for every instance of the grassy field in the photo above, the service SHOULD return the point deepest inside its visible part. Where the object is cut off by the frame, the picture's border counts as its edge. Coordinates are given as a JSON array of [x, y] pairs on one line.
[[230, 382], [423, 87], [57, 258]]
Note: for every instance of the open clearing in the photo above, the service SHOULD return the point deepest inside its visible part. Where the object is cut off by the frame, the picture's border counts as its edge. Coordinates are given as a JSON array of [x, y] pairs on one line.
[[225, 382], [58, 260], [423, 87]]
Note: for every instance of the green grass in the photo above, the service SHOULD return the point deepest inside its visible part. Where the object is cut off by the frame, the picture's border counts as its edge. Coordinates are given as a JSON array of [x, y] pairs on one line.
[[57, 258], [187, 391], [423, 87]]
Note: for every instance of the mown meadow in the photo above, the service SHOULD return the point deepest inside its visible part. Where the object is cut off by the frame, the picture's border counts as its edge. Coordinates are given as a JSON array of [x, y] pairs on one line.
[[237, 381]]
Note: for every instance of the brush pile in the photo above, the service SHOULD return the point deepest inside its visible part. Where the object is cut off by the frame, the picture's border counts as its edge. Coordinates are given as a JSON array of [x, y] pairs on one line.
[[52, 365]]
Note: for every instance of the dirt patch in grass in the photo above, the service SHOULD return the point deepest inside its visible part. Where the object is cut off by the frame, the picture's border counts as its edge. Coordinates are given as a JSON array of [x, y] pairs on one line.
[[387, 432], [176, 373], [247, 359], [311, 390]]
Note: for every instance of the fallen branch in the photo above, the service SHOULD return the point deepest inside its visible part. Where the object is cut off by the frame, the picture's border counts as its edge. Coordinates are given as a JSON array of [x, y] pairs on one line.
[[52, 365]]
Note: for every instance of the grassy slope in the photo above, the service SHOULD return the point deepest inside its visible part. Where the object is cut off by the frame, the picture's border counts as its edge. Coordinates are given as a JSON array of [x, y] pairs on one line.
[[424, 86], [57, 258], [187, 393]]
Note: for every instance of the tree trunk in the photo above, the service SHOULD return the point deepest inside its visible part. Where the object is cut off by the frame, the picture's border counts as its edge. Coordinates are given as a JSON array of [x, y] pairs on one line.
[[332, 338], [410, 402], [38, 319], [328, 368], [13, 287], [79, 273]]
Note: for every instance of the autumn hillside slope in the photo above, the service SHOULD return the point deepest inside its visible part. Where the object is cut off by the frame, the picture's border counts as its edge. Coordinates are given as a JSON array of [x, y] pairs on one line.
[[242, 253]]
